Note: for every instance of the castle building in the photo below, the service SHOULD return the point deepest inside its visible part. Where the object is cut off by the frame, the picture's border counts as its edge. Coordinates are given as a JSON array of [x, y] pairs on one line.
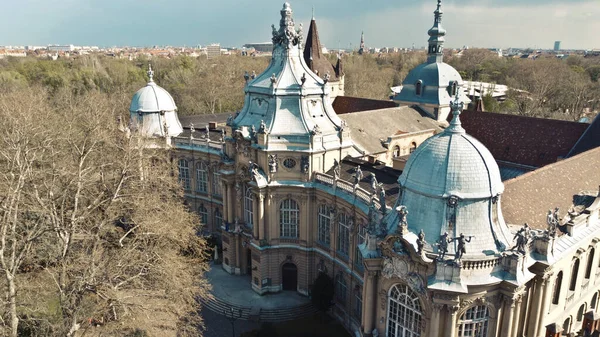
[[443, 247]]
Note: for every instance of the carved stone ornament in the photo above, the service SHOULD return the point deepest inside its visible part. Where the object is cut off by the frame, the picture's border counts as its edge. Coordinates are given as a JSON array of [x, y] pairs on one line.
[[273, 164], [304, 164], [394, 267], [467, 303], [287, 35]]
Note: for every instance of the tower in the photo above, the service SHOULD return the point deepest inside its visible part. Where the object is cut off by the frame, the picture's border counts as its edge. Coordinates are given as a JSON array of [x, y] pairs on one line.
[[361, 49], [432, 85]]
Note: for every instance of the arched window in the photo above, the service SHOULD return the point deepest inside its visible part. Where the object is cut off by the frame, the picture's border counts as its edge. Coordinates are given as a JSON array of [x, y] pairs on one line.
[[580, 313], [203, 214], [453, 88], [362, 234], [404, 312], [218, 218], [289, 218], [324, 224], [574, 272], [474, 322], [567, 326], [557, 285], [594, 301], [340, 288], [590, 263], [343, 242], [184, 174], [419, 88], [396, 152], [413, 147], [201, 177], [248, 207], [216, 184]]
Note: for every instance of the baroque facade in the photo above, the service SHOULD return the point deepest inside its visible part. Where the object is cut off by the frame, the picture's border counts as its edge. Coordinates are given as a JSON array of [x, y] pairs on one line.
[[426, 251]]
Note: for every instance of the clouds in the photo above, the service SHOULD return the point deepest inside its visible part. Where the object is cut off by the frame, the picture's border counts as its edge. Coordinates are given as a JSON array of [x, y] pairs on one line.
[[484, 23]]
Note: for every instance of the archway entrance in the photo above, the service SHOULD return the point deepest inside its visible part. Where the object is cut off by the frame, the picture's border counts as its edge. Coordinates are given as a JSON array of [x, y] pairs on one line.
[[289, 276]]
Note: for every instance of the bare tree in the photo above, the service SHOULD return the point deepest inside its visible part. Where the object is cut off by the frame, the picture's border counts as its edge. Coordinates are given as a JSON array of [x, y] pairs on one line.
[[112, 239]]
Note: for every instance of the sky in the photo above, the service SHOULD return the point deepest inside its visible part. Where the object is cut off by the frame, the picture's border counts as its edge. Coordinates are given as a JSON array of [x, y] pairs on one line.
[[399, 23]]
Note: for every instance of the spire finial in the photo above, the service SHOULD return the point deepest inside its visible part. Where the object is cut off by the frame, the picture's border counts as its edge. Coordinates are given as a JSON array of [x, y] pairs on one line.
[[313, 12], [150, 72], [457, 106], [436, 37]]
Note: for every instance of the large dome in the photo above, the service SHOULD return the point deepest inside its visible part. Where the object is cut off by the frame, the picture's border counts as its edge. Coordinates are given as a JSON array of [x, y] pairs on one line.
[[152, 98], [452, 184], [452, 163]]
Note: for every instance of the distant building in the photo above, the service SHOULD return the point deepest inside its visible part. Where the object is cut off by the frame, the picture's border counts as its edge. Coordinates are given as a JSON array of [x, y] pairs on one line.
[[213, 50], [263, 47], [57, 48], [556, 45]]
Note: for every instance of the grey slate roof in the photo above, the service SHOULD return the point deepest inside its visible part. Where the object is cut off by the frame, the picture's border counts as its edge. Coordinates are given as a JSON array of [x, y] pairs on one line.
[[368, 127]]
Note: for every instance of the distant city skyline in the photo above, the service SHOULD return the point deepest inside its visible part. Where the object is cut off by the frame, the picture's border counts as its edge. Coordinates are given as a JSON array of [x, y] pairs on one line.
[[402, 23]]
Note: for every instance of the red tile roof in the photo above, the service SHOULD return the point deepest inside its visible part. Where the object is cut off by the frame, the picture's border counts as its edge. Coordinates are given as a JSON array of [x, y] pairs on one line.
[[523, 140], [346, 104], [528, 197]]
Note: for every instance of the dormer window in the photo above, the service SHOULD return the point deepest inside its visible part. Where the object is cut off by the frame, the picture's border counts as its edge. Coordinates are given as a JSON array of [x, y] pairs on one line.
[[453, 88], [419, 88]]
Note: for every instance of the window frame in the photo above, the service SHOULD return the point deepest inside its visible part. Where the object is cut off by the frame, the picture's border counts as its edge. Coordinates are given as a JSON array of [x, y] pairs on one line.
[[324, 225], [405, 305], [201, 177], [248, 207], [289, 219], [343, 234], [184, 173]]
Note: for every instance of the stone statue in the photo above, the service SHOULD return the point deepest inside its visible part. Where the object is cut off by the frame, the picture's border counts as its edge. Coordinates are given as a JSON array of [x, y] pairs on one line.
[[372, 217], [336, 169], [461, 248], [253, 76], [383, 208], [273, 79], [303, 78], [327, 77], [263, 127], [374, 184], [421, 242], [522, 237], [273, 163], [222, 139], [552, 221], [358, 175], [252, 132], [304, 164], [402, 223], [229, 120], [442, 244], [253, 169], [246, 76], [207, 130]]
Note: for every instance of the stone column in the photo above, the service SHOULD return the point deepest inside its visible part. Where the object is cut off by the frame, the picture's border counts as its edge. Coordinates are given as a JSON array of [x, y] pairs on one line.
[[509, 312], [255, 216], [434, 325], [452, 321], [238, 257], [545, 285], [230, 208], [370, 298], [517, 316], [261, 217]]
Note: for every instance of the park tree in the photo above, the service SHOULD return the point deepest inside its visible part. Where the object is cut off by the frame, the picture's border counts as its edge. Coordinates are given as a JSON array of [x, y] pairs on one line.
[[94, 235]]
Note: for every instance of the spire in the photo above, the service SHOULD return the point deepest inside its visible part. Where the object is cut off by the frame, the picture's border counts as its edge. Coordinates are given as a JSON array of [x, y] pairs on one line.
[[150, 73], [313, 54], [436, 37], [457, 106], [313, 13], [361, 49]]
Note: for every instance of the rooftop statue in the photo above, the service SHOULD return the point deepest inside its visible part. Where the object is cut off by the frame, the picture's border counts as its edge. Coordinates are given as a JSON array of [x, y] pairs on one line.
[[462, 243], [442, 244], [358, 175], [522, 237]]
